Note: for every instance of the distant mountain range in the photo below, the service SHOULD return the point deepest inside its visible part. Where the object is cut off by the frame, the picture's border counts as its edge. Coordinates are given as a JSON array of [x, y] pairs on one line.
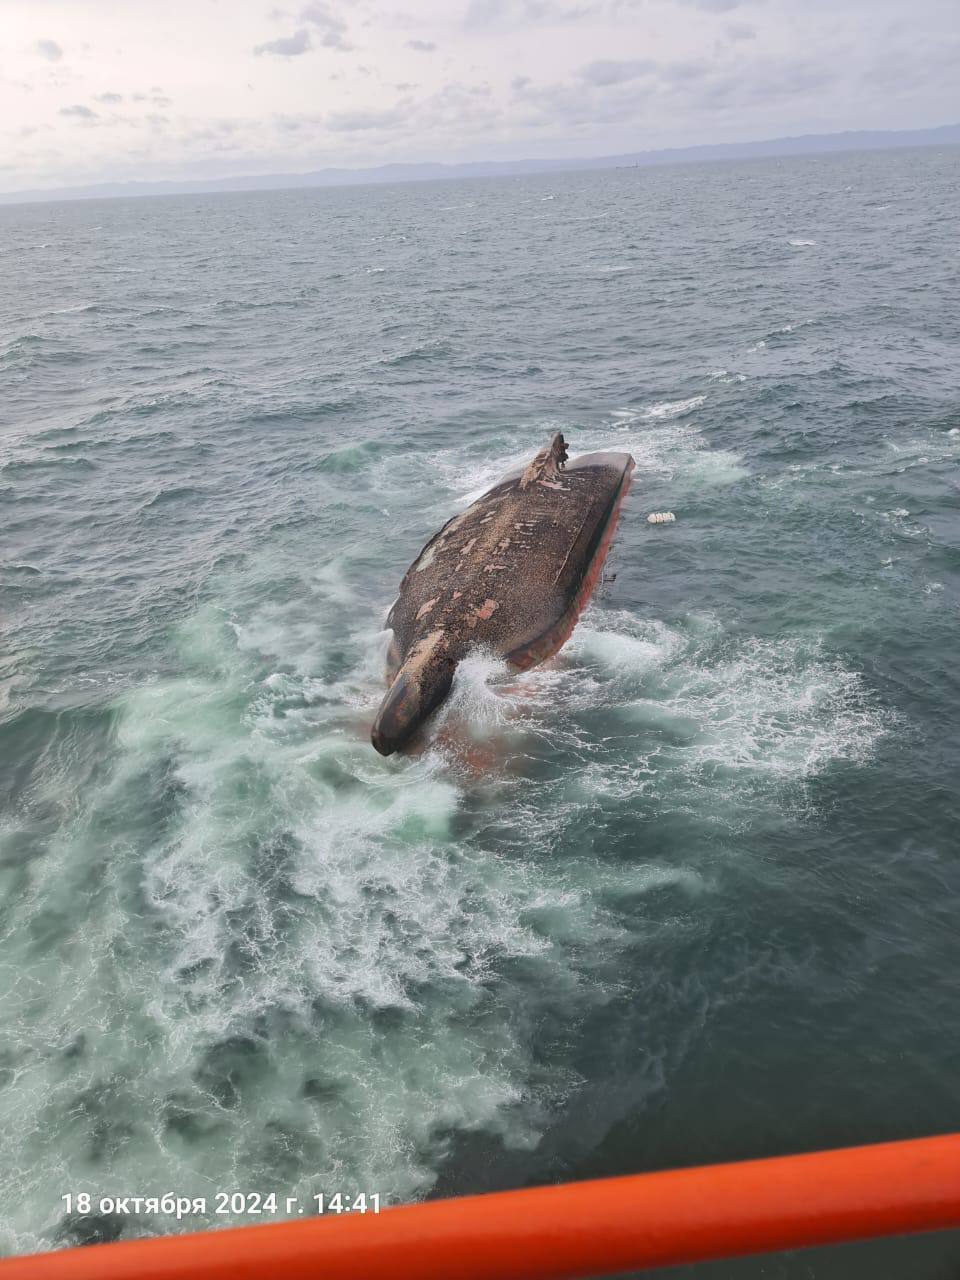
[[809, 144]]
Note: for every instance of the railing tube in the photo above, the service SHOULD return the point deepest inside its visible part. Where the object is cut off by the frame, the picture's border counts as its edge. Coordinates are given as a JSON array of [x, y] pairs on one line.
[[561, 1232]]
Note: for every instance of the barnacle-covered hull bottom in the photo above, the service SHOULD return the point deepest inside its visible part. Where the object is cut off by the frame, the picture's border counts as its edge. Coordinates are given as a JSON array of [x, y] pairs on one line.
[[510, 575]]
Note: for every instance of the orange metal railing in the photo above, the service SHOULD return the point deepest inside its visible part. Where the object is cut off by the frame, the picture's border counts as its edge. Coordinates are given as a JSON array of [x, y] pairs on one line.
[[576, 1230]]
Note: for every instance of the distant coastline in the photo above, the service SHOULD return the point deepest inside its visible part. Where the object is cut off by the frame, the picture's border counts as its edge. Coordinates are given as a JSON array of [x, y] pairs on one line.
[[808, 144]]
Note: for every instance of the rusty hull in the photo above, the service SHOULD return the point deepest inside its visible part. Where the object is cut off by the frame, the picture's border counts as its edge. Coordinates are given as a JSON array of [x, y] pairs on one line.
[[510, 574]]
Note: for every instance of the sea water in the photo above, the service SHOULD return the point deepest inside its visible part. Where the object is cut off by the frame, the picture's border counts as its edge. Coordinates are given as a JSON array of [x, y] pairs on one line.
[[700, 899]]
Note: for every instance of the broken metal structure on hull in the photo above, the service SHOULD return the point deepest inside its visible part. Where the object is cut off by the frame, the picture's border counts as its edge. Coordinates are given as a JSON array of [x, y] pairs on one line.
[[511, 574]]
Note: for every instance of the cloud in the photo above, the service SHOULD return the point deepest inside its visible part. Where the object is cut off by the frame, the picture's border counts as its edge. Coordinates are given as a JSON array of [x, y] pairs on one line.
[[80, 112], [293, 124], [331, 26], [480, 13], [455, 110], [764, 84], [217, 129], [287, 46], [484, 13], [49, 49], [678, 72], [547, 11], [355, 121], [715, 6], [632, 74], [607, 72], [577, 105], [901, 70]]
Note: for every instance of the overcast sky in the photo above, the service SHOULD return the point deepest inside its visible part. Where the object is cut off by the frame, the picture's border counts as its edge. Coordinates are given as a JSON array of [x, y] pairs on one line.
[[95, 90]]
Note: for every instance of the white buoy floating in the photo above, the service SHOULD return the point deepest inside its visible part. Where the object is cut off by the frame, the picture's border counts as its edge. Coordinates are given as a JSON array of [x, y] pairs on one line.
[[661, 517]]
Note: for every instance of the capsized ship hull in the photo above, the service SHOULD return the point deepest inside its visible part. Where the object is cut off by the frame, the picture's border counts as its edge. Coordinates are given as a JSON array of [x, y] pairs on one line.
[[511, 575]]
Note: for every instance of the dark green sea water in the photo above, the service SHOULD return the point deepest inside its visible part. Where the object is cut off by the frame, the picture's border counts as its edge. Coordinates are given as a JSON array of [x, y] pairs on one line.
[[704, 903]]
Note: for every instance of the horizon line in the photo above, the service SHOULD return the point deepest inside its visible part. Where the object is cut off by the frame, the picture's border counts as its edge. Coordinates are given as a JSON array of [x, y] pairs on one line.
[[439, 170]]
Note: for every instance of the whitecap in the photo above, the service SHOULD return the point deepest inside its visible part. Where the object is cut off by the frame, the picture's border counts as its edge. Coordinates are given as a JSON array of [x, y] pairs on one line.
[[793, 326], [724, 722], [299, 887], [674, 408], [779, 707], [625, 644], [671, 446]]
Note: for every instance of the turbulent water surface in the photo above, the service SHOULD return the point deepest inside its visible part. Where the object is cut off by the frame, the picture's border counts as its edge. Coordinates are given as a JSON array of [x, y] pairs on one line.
[[689, 892]]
